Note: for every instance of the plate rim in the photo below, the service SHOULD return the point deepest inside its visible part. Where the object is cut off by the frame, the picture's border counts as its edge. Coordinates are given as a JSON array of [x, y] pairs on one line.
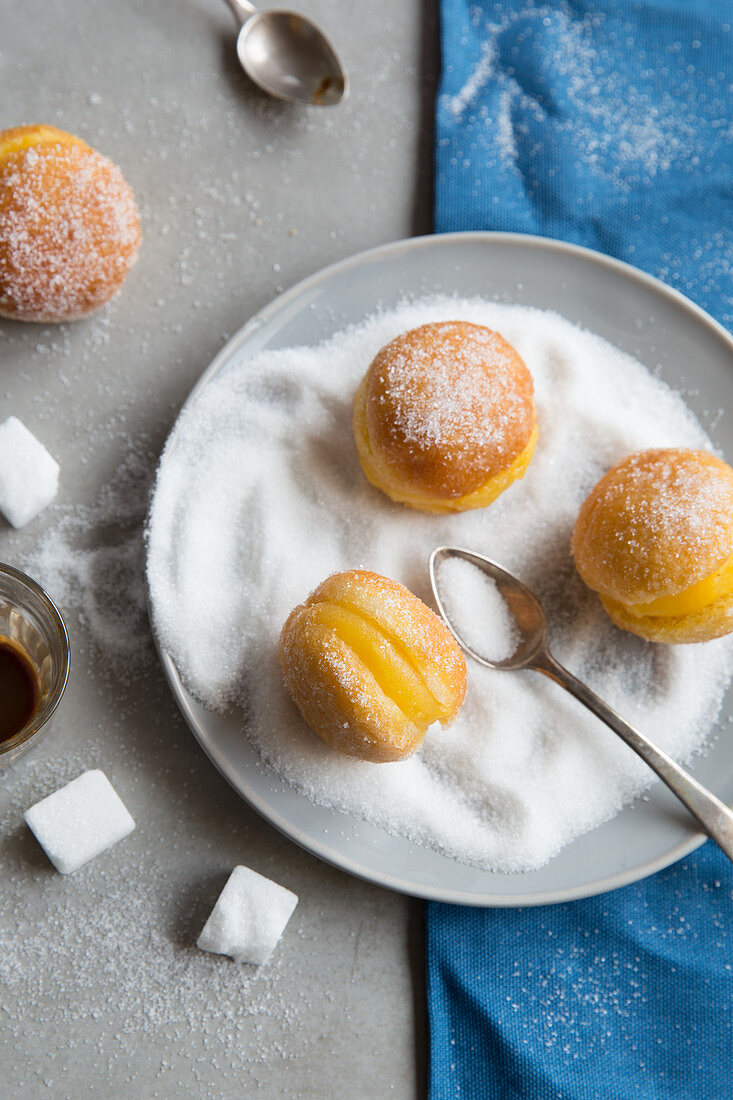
[[390, 881], [262, 316], [313, 845]]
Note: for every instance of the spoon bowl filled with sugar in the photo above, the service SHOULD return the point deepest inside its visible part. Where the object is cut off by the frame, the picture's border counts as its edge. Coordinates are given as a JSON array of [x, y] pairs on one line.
[[500, 623]]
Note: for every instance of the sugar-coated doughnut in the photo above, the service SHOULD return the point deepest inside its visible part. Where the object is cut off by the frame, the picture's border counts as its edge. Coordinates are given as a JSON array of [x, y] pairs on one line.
[[655, 540], [69, 229], [444, 418], [370, 666]]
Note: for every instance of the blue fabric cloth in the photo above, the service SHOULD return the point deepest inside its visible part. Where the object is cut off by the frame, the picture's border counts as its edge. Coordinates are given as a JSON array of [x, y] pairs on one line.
[[603, 123], [607, 124], [626, 996]]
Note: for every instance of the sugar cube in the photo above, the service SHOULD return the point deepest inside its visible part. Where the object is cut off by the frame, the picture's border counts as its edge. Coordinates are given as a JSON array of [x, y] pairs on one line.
[[79, 821], [249, 917], [29, 476]]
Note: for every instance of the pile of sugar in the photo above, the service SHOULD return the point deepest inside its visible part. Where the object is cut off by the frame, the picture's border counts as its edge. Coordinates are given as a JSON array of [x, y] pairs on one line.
[[260, 496]]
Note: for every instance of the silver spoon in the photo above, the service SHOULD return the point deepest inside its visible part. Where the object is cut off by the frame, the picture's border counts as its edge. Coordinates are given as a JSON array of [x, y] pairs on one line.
[[532, 652], [288, 56]]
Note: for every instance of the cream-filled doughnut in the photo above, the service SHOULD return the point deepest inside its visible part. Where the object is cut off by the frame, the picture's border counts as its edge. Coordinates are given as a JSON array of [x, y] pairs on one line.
[[370, 666], [69, 229], [655, 539], [444, 419]]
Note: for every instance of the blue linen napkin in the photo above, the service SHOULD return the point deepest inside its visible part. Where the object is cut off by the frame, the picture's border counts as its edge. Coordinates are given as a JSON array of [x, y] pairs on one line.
[[607, 124]]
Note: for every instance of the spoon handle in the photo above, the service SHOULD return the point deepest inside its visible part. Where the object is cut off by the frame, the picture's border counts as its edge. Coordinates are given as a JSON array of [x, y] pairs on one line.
[[714, 816], [242, 10]]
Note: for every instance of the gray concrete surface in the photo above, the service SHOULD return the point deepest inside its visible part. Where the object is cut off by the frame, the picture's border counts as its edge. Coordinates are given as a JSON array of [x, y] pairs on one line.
[[103, 992]]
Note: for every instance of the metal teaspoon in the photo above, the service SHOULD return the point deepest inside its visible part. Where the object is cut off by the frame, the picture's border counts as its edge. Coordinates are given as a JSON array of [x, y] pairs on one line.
[[532, 652], [288, 56]]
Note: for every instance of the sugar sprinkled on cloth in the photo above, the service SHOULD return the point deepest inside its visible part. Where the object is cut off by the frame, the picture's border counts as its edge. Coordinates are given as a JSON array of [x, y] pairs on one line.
[[260, 496], [607, 125]]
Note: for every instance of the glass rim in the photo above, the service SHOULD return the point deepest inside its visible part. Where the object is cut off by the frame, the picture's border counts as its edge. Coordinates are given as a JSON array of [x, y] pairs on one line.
[[42, 714]]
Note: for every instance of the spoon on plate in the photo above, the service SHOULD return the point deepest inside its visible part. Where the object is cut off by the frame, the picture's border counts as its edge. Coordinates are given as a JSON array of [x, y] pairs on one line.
[[532, 652], [288, 56]]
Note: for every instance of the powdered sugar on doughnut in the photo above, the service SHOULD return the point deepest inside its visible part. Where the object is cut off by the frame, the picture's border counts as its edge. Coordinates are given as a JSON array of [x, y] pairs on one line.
[[69, 231], [441, 394], [655, 524]]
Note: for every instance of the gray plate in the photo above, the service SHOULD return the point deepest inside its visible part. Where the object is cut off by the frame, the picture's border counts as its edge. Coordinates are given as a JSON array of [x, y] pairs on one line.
[[638, 314]]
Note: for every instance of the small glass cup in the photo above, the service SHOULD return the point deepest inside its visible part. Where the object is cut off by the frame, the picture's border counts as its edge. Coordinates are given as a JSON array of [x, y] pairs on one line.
[[30, 619]]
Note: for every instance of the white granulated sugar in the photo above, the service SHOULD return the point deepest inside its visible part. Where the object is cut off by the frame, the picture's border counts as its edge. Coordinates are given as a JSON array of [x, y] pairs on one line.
[[29, 476], [249, 917], [479, 613], [79, 821], [260, 496], [125, 936], [92, 561]]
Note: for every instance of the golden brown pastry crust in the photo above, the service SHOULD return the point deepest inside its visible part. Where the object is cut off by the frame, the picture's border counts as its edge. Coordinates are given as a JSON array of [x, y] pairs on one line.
[[370, 666], [69, 229], [657, 523], [442, 410]]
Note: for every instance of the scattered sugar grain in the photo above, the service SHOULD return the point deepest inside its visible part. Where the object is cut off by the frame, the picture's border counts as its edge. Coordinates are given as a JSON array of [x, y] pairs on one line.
[[249, 917], [104, 943], [79, 821], [523, 769], [91, 560], [29, 476]]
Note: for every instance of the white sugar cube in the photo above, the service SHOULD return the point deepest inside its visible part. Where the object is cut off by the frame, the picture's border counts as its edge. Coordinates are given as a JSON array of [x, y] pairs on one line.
[[79, 821], [248, 918], [29, 476]]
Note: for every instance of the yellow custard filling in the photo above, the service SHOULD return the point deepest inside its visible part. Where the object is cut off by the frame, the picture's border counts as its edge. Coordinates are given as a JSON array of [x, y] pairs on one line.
[[697, 596], [496, 485], [380, 654]]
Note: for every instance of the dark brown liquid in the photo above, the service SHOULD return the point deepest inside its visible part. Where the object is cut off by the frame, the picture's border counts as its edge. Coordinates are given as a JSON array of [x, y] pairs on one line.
[[18, 689]]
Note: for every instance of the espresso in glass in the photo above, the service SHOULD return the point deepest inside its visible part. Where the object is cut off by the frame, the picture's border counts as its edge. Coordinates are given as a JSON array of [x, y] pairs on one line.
[[34, 662], [18, 689]]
